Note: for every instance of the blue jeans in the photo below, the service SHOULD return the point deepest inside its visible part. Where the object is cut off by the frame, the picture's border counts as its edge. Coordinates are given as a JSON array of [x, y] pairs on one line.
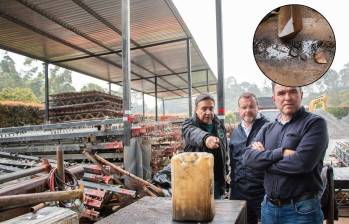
[[302, 212]]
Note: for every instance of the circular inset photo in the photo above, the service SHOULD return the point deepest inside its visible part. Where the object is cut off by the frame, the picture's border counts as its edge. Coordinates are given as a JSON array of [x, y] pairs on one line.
[[294, 45]]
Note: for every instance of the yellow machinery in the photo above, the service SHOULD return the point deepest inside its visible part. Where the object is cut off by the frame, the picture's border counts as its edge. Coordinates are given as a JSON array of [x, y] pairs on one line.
[[322, 101]]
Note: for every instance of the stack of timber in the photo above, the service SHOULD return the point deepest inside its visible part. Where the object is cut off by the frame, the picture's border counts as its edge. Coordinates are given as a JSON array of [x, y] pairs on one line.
[[84, 105], [16, 113]]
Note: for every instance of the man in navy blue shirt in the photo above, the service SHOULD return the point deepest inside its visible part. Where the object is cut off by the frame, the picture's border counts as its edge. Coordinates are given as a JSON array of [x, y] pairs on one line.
[[290, 151], [246, 183]]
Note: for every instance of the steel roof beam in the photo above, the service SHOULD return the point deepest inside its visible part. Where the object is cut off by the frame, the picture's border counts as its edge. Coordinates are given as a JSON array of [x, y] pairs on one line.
[[80, 33], [176, 90], [43, 33], [120, 51], [151, 77], [111, 26]]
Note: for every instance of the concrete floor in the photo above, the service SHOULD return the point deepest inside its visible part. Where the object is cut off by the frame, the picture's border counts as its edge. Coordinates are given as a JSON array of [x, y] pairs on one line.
[[341, 220]]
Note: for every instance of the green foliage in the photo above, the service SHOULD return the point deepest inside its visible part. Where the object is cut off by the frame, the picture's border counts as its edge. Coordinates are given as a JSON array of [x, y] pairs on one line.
[[8, 74], [31, 77], [92, 87], [60, 80], [338, 112], [334, 84], [18, 94], [230, 118], [233, 90], [18, 115]]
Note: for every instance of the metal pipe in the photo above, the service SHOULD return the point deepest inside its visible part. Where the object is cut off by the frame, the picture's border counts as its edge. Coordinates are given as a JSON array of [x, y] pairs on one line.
[[220, 60], [47, 106], [126, 68], [93, 160], [120, 51], [143, 105], [45, 167], [156, 99], [149, 192], [126, 173], [189, 78], [60, 167], [37, 207], [36, 185], [207, 82], [36, 198]]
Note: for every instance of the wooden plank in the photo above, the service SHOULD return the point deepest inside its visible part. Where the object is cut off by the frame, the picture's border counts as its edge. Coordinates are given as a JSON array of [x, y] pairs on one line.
[[149, 210]]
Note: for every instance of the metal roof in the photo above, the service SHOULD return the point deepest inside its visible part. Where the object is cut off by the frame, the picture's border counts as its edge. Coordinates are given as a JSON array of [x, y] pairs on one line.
[[85, 36]]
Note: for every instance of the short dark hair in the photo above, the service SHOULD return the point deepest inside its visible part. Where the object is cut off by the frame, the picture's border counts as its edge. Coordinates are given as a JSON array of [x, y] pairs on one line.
[[247, 95], [273, 84], [203, 96]]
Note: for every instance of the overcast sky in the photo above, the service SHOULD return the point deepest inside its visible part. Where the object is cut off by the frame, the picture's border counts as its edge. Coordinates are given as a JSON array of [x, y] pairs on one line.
[[240, 19]]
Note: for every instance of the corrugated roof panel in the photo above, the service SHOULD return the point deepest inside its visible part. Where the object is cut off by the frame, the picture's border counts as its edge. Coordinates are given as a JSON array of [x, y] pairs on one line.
[[25, 41], [146, 85], [73, 14], [47, 27], [99, 69], [53, 31], [153, 21]]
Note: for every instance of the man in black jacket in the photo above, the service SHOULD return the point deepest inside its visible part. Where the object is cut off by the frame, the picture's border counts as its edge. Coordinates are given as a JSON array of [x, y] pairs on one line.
[[291, 151], [204, 132], [246, 183]]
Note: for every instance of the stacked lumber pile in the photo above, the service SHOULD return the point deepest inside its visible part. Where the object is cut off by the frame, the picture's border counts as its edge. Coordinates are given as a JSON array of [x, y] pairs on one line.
[[17, 113], [84, 105]]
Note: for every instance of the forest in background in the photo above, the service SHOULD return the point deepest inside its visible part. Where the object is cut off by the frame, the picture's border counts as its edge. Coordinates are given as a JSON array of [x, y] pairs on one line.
[[27, 85]]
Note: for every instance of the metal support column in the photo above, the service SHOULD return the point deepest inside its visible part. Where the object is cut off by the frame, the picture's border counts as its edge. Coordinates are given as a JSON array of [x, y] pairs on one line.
[[189, 78], [109, 88], [143, 105], [163, 106], [220, 61], [126, 70], [47, 106], [207, 83], [156, 99]]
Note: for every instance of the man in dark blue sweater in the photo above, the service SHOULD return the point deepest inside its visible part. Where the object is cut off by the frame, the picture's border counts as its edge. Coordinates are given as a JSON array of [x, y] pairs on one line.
[[246, 183], [290, 151]]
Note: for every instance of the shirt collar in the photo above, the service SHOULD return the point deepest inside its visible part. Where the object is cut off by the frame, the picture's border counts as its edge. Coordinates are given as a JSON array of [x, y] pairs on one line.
[[246, 129], [295, 116]]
